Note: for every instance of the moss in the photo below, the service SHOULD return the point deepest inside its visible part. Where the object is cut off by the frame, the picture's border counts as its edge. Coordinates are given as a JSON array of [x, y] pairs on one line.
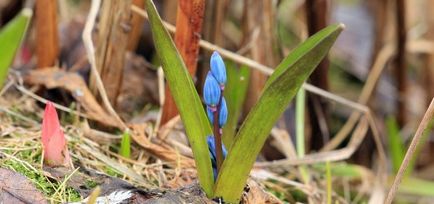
[[112, 172], [41, 182], [90, 184]]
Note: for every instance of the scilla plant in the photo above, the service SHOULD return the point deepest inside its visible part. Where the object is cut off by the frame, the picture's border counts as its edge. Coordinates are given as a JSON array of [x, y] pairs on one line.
[[279, 90]]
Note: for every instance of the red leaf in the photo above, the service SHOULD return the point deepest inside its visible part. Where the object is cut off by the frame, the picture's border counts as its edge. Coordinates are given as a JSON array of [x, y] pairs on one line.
[[53, 140]]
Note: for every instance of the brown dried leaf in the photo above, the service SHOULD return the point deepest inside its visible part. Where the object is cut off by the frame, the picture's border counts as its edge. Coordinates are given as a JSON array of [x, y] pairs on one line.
[[162, 151], [16, 188], [256, 194], [54, 78]]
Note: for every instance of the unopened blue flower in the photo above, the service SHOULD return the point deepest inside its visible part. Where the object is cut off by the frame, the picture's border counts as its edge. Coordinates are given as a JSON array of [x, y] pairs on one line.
[[210, 113], [211, 91], [218, 68], [223, 113], [211, 148]]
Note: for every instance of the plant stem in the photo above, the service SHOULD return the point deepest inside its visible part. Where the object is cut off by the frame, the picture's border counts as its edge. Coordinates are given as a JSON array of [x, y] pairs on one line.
[[217, 135]]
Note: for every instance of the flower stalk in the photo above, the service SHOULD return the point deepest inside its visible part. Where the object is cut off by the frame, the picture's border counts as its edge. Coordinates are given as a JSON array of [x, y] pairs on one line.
[[216, 107]]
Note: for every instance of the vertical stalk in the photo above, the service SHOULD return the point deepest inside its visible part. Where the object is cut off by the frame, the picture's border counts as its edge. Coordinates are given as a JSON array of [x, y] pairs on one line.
[[428, 72], [258, 25], [218, 136], [136, 27], [299, 111], [113, 35], [188, 27], [47, 48], [316, 17], [218, 140], [329, 182], [400, 69]]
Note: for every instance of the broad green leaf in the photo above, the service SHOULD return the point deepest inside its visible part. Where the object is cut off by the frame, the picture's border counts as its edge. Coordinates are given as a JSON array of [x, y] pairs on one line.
[[10, 40], [125, 149], [235, 94], [186, 98], [396, 145], [279, 90]]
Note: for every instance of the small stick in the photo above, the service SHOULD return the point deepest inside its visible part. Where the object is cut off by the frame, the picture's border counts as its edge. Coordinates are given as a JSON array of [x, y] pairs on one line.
[[423, 126]]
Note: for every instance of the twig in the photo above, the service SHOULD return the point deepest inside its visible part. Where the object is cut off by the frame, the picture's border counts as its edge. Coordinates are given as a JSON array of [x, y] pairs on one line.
[[377, 68], [423, 126], [87, 39], [43, 100]]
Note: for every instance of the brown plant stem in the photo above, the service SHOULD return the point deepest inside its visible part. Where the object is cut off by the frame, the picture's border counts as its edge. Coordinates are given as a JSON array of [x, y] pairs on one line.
[[316, 17], [400, 69], [47, 48], [218, 140], [136, 26], [189, 25]]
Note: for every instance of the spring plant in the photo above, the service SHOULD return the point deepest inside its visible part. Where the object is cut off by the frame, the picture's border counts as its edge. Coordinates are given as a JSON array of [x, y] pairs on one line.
[[10, 40], [53, 140], [216, 108], [279, 90]]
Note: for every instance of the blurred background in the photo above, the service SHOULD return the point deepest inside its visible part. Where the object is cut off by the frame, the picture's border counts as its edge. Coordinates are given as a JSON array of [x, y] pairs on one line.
[[384, 60]]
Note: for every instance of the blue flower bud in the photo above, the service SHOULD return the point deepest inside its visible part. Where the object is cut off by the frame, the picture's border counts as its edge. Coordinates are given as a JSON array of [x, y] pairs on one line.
[[211, 148], [210, 113], [211, 91], [218, 68], [223, 114]]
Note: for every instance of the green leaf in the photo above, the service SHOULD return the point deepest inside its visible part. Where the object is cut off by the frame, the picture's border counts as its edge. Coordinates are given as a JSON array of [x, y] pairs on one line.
[[279, 90], [235, 94], [415, 186], [10, 40], [186, 98], [125, 149], [396, 144]]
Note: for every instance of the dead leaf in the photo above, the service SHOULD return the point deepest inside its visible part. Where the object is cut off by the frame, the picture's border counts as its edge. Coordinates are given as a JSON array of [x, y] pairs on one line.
[[16, 188], [254, 193], [54, 78], [162, 151]]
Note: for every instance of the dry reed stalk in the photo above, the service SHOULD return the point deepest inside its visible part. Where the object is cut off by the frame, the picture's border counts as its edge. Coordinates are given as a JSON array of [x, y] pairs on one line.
[[90, 51], [258, 15], [136, 27], [424, 126], [187, 36], [429, 63], [112, 45], [47, 39], [400, 60], [316, 18]]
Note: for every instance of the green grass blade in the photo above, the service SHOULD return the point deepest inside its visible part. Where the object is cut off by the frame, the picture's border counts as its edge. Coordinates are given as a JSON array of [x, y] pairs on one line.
[[186, 98], [299, 125], [279, 90], [396, 145], [125, 149], [415, 186], [235, 94], [10, 40], [329, 182], [299, 122]]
